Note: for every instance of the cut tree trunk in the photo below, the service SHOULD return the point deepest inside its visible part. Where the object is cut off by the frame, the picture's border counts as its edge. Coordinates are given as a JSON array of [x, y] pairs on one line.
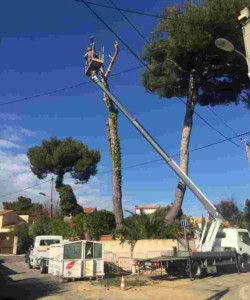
[[115, 151], [184, 154]]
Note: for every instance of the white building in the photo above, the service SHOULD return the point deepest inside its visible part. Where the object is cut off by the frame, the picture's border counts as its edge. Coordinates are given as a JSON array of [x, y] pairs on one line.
[[146, 209]]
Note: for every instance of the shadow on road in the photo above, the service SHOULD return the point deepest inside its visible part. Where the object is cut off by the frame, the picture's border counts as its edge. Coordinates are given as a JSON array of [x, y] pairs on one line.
[[30, 289], [27, 288], [219, 295]]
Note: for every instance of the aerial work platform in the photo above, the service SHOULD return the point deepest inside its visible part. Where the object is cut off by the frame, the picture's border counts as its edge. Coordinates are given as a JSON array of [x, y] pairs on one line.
[[93, 61]]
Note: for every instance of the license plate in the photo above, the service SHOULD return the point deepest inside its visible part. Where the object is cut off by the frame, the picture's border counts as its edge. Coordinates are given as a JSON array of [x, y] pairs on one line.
[[147, 263]]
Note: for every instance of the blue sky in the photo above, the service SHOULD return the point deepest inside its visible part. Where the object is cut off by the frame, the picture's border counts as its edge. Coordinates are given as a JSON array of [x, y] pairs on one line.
[[41, 48]]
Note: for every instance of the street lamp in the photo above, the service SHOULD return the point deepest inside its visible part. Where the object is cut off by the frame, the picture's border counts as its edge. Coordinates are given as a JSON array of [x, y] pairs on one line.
[[51, 205], [43, 194], [225, 45]]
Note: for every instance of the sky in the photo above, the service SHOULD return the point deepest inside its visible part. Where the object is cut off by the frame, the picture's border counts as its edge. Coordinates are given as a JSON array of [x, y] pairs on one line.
[[42, 46]]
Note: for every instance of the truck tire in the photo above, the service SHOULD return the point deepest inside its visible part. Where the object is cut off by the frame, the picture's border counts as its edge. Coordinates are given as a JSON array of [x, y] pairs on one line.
[[197, 270], [43, 268], [243, 263], [30, 266]]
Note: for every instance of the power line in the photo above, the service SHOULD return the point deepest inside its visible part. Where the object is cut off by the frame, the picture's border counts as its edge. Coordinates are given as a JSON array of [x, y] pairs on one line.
[[16, 192], [211, 126], [44, 94], [130, 23], [64, 88], [116, 35], [223, 121], [136, 56], [175, 155], [137, 165], [125, 10], [145, 39]]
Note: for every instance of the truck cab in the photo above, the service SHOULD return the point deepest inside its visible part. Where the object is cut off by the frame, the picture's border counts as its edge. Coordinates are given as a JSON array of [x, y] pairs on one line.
[[41, 248], [233, 239]]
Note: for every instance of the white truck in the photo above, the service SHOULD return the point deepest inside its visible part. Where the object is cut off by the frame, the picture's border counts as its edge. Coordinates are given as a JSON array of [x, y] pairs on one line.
[[221, 246], [39, 254]]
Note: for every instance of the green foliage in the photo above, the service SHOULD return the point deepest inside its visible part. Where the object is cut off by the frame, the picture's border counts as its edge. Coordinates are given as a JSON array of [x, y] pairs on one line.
[[23, 205], [41, 227], [94, 224], [100, 222], [68, 201], [247, 214], [22, 232], [60, 157], [80, 223], [65, 229], [149, 226], [230, 212], [186, 36], [63, 156]]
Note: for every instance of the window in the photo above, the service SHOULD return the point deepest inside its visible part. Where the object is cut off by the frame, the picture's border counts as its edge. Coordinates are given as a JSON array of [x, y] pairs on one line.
[[49, 242], [97, 251], [220, 235], [72, 251], [244, 238], [89, 250]]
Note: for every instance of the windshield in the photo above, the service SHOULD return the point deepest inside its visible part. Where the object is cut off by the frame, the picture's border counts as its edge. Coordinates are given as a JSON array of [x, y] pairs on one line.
[[244, 238], [49, 242]]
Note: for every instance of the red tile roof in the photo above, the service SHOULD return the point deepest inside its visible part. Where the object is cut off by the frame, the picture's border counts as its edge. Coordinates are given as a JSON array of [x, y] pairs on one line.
[[147, 206], [3, 212], [88, 210]]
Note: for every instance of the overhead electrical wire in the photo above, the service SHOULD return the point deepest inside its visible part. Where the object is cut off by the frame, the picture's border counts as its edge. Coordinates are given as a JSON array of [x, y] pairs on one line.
[[130, 23], [116, 35], [211, 126], [16, 192], [148, 68], [124, 10], [223, 121], [138, 165], [120, 10], [63, 89], [210, 109]]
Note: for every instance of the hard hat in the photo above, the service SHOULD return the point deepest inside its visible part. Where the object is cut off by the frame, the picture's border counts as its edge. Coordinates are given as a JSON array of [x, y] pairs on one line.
[[89, 49]]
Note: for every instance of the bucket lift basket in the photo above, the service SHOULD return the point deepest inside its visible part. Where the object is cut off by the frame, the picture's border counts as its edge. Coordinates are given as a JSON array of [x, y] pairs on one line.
[[93, 62]]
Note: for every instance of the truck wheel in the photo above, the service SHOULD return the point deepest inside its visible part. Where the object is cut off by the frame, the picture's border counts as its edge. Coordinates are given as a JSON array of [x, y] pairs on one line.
[[197, 270], [43, 268], [243, 262], [30, 266]]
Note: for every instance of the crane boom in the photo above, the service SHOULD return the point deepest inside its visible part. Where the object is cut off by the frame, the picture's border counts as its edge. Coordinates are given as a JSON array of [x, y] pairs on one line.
[[173, 165]]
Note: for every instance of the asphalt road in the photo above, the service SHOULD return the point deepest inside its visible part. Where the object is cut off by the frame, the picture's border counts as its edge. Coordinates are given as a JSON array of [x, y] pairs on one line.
[[22, 283]]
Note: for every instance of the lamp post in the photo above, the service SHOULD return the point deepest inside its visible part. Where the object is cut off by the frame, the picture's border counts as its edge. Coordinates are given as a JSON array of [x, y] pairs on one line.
[[50, 197], [226, 45]]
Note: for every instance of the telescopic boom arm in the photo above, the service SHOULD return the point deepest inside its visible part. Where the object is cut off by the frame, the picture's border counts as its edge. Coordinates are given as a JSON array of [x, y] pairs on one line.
[[203, 199]]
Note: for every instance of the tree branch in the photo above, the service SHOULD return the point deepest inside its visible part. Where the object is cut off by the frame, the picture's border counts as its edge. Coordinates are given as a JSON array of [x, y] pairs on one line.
[[112, 60]]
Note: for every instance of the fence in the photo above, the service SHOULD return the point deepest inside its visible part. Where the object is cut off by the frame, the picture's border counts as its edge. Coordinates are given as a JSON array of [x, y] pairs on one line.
[[121, 261]]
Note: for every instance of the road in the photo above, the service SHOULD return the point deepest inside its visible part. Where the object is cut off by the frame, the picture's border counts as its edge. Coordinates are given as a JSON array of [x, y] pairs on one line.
[[21, 283]]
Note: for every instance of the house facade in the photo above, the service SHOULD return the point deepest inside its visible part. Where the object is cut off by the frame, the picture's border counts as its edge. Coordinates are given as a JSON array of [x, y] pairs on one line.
[[146, 209]]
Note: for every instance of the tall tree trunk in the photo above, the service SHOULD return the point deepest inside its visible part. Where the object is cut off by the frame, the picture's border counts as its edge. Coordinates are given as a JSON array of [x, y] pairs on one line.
[[184, 153], [115, 151]]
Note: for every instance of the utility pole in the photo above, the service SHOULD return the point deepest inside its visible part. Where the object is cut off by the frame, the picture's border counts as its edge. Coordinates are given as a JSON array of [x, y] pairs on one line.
[[245, 21], [248, 152], [51, 197]]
